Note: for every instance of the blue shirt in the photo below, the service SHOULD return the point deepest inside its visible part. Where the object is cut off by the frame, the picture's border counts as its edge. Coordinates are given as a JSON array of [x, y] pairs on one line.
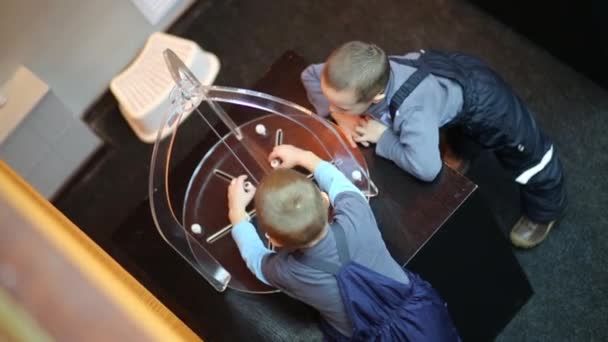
[[313, 287], [413, 140]]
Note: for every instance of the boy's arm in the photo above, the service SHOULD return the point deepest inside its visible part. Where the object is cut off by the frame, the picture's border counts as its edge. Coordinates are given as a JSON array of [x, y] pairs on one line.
[[251, 248], [416, 148], [328, 177], [311, 79], [332, 181]]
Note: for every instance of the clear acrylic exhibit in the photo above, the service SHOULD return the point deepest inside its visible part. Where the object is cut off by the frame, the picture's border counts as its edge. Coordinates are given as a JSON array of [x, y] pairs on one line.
[[199, 229]]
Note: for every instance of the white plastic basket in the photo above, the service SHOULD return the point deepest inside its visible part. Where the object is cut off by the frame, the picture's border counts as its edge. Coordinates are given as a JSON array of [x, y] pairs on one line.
[[143, 88]]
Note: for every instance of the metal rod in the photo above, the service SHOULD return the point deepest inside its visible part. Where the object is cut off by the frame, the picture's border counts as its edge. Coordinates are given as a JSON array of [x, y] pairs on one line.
[[278, 137], [223, 175]]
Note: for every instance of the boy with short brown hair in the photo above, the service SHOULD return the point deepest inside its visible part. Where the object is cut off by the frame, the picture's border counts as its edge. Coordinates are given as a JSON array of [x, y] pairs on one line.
[[343, 268]]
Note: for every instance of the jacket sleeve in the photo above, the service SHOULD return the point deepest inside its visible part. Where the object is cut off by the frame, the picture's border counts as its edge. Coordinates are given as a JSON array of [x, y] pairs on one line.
[[311, 79], [251, 248], [413, 143], [332, 181]]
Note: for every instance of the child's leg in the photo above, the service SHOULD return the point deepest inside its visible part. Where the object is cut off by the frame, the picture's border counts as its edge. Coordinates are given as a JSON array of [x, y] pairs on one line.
[[495, 117], [543, 194], [499, 120], [532, 159], [543, 198]]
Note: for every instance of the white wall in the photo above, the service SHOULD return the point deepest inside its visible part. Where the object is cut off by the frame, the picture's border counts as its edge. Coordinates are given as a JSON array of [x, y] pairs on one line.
[[75, 46]]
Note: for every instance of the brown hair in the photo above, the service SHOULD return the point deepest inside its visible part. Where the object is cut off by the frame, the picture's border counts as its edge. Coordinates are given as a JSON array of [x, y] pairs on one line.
[[360, 66], [290, 208]]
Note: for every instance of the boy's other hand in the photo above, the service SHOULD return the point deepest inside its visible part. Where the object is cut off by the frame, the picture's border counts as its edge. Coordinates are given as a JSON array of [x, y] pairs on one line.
[[238, 199], [369, 131], [347, 124], [290, 156]]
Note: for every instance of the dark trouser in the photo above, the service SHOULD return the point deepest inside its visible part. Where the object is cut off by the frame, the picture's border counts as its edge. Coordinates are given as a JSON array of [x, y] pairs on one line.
[[495, 117]]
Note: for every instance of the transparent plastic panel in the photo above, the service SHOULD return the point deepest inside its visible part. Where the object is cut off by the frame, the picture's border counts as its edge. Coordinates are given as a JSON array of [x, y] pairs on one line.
[[240, 145]]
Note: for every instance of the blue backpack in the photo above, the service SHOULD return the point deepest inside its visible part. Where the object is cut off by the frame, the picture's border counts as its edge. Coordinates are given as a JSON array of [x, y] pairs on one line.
[[381, 308]]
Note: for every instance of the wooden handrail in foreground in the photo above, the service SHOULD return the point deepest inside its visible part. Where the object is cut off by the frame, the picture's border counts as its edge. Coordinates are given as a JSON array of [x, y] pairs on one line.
[[70, 288]]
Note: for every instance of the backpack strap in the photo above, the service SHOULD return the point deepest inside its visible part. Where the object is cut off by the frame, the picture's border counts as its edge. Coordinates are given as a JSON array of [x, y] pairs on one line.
[[324, 265], [409, 85]]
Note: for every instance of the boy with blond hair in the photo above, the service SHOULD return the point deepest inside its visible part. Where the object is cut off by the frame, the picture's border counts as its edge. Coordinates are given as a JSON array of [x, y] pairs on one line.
[[341, 268], [408, 99]]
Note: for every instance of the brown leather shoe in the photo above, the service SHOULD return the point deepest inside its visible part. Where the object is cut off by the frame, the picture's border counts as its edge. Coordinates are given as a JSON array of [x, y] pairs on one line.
[[454, 160], [527, 233]]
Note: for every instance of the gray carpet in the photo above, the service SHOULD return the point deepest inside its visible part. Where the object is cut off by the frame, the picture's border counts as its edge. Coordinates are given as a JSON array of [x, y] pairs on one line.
[[568, 272]]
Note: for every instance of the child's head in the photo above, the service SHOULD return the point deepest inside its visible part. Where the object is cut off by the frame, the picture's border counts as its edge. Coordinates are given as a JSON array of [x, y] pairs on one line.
[[354, 77], [290, 209]]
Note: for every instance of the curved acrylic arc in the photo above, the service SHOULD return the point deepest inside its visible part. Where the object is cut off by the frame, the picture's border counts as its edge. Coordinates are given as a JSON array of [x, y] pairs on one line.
[[186, 97], [291, 113], [199, 196]]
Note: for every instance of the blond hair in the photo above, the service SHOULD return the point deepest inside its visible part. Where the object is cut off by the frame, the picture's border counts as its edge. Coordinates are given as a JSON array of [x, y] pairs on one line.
[[360, 66], [290, 208]]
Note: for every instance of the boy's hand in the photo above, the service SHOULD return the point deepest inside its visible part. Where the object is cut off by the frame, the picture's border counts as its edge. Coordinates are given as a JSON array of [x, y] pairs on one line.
[[290, 156], [370, 131], [238, 199], [347, 124]]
